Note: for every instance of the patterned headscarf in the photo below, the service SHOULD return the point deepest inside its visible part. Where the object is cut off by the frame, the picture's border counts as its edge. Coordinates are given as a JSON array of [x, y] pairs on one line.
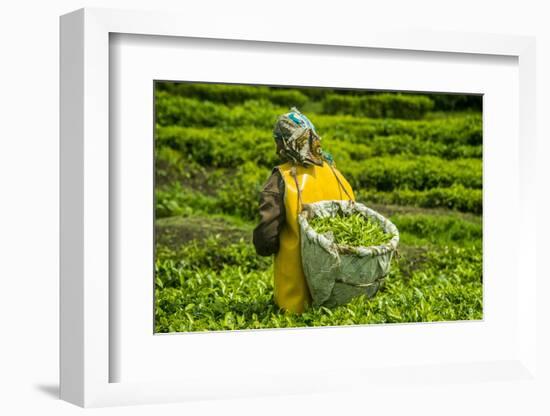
[[297, 139]]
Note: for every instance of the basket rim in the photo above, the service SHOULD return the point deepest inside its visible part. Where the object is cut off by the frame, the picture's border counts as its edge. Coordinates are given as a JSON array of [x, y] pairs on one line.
[[346, 205]]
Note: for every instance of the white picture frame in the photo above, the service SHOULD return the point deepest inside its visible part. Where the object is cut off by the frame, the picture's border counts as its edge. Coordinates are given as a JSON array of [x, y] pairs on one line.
[[85, 355]]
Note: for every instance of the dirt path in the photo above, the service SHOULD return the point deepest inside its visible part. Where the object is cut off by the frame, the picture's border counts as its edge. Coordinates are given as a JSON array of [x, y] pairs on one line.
[[389, 210], [175, 231]]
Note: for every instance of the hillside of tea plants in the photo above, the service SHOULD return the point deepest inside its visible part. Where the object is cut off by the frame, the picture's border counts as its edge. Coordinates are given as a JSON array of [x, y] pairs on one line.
[[415, 158]]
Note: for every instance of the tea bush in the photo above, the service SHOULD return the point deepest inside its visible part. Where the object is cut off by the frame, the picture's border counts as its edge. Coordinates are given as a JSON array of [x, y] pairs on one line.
[[455, 197], [437, 229], [219, 148], [224, 148], [445, 285], [190, 112], [460, 130], [332, 101], [420, 173], [378, 106], [233, 94], [175, 199], [381, 172], [455, 102]]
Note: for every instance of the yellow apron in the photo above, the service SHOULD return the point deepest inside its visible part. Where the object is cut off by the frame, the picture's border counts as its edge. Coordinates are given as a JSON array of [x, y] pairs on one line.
[[317, 183]]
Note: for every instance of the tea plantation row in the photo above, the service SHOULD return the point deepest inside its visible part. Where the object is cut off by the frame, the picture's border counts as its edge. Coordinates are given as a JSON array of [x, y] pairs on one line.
[[181, 183], [327, 101], [221, 147], [465, 129]]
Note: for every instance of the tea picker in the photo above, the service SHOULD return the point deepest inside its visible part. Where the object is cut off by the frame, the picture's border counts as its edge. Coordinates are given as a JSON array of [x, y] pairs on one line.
[[311, 268]]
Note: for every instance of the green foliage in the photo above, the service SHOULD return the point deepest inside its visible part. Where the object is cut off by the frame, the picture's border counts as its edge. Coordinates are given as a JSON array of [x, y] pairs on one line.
[[228, 148], [213, 253], [234, 198], [436, 229], [455, 197], [367, 103], [239, 196], [190, 112], [379, 106], [457, 102], [218, 147], [459, 130], [175, 199], [237, 193], [233, 94], [414, 146], [222, 289], [419, 173], [351, 230], [425, 181]]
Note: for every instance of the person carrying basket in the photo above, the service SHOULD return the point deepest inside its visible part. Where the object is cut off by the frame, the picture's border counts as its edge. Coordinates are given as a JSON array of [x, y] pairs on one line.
[[307, 175]]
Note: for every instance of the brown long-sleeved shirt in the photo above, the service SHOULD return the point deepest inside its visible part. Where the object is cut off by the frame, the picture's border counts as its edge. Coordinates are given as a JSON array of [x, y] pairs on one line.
[[272, 215]]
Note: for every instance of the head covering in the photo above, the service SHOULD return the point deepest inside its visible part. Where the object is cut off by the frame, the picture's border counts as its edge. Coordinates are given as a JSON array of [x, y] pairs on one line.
[[298, 141]]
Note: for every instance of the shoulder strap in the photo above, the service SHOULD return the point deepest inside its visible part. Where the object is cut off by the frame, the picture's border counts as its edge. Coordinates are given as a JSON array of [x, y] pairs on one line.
[[300, 202], [340, 182]]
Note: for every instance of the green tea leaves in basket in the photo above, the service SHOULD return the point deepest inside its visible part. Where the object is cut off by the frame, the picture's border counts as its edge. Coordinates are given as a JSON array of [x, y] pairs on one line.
[[351, 230]]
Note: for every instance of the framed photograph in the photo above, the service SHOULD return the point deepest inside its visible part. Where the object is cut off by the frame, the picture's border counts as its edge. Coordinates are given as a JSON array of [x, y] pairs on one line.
[[282, 213]]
